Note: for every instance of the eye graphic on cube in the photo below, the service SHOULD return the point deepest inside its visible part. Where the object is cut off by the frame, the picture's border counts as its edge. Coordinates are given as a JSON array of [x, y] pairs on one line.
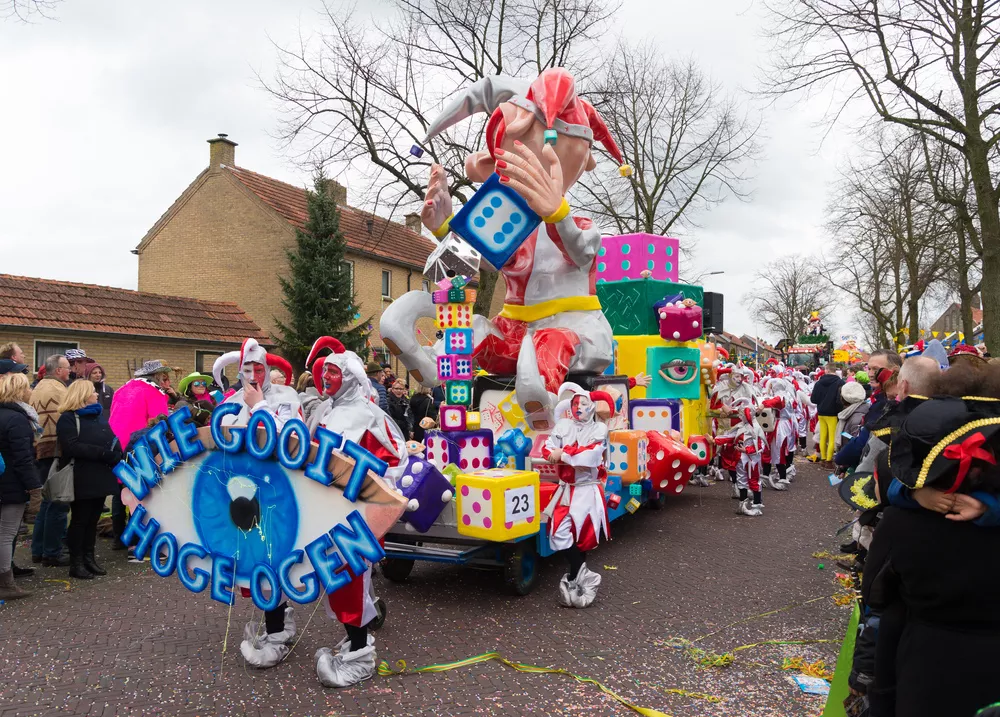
[[495, 221]]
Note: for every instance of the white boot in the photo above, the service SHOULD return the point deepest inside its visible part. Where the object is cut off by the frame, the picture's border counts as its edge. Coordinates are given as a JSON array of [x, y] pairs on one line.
[[736, 491], [345, 668], [536, 402], [775, 483], [745, 507], [791, 472], [581, 592], [264, 650]]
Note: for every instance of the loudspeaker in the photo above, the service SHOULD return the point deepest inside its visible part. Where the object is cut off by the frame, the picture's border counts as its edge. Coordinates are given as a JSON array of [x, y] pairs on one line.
[[712, 313]]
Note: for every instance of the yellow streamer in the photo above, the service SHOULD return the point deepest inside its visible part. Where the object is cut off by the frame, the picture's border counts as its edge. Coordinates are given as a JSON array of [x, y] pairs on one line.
[[812, 669], [385, 671], [64, 582]]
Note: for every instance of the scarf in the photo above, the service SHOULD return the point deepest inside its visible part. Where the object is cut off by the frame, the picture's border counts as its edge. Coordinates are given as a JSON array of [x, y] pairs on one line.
[[94, 409], [36, 425]]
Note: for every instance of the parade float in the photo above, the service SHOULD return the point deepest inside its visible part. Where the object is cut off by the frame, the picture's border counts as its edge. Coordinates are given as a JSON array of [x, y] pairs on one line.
[[811, 349], [586, 320]]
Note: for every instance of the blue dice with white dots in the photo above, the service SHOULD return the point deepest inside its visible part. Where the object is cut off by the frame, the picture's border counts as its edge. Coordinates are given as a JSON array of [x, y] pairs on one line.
[[495, 222]]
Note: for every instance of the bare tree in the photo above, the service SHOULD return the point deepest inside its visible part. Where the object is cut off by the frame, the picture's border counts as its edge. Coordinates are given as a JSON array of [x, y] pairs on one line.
[[785, 292], [27, 10], [891, 235], [932, 66], [949, 177], [690, 144], [359, 94]]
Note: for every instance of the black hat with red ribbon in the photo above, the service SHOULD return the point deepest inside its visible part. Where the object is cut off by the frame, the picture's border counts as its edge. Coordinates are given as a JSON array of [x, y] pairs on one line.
[[944, 441]]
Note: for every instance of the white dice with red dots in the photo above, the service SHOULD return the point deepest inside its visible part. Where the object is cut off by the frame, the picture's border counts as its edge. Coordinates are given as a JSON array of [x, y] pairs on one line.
[[497, 504], [469, 450]]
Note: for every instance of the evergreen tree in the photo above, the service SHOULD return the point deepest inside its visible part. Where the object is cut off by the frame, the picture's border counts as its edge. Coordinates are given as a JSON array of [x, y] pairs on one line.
[[319, 291]]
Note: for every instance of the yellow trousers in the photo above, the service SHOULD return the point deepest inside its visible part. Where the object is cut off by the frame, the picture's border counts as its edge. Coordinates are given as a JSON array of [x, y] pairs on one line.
[[827, 437]]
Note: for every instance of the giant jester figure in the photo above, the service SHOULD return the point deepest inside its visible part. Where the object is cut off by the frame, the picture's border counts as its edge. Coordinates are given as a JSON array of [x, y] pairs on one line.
[[539, 141]]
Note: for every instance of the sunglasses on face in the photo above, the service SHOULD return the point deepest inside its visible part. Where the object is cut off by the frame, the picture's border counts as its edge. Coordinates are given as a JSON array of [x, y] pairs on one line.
[[198, 383]]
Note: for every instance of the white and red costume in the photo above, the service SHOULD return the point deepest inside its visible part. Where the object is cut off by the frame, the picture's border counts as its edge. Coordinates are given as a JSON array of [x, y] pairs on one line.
[[780, 441], [282, 402], [741, 448], [577, 515], [577, 512]]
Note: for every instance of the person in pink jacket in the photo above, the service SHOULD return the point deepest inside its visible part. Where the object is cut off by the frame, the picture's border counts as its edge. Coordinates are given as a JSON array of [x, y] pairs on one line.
[[144, 397]]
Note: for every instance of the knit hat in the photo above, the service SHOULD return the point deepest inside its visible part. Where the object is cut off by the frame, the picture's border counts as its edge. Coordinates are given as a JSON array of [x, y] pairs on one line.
[[862, 378], [853, 393]]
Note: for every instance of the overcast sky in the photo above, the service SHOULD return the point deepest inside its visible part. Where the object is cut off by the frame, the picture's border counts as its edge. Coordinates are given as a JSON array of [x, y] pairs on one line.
[[108, 107]]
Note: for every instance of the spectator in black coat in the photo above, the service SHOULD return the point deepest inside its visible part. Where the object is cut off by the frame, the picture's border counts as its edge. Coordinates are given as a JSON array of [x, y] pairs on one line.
[[399, 408], [85, 436], [104, 392], [826, 398], [18, 427], [421, 407]]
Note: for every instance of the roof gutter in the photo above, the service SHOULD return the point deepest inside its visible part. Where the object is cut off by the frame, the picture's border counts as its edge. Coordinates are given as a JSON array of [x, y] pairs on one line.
[[125, 337]]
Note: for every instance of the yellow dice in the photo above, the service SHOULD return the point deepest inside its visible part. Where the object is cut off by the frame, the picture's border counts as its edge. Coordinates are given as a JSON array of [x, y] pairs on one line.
[[453, 316], [473, 421], [497, 504]]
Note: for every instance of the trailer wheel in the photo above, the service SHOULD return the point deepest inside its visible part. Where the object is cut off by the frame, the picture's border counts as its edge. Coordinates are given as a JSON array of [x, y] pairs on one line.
[[521, 568], [397, 569]]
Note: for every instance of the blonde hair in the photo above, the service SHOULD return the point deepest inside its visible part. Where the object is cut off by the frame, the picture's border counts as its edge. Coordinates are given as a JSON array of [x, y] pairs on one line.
[[13, 387], [76, 395]]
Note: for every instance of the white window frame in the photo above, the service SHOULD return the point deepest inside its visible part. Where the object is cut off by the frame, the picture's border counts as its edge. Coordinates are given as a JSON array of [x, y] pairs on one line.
[[40, 360], [386, 290], [351, 265]]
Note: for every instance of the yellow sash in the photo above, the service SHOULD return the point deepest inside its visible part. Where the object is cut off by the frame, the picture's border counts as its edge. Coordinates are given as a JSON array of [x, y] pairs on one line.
[[545, 309]]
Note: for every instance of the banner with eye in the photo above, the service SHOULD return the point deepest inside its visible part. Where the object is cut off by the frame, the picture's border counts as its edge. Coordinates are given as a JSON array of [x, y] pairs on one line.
[[677, 372], [276, 514]]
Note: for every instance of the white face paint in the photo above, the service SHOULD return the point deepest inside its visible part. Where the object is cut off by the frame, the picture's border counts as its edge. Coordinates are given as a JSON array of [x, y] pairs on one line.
[[582, 408]]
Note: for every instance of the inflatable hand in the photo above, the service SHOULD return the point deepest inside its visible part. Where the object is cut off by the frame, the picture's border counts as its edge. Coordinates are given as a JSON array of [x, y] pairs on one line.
[[437, 200]]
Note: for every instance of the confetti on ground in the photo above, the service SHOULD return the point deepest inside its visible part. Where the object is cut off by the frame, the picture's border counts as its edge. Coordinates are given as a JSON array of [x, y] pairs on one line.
[[610, 567], [64, 582], [812, 669]]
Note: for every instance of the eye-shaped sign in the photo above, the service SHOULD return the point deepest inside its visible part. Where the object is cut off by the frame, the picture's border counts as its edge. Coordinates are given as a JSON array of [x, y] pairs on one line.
[[675, 372], [276, 514]]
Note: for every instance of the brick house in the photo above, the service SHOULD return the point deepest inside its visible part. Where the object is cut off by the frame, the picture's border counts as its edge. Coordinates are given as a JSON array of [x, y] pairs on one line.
[[118, 327], [950, 319], [225, 238]]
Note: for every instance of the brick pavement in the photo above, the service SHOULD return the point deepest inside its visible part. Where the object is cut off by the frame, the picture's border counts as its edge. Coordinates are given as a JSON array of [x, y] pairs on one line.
[[136, 644]]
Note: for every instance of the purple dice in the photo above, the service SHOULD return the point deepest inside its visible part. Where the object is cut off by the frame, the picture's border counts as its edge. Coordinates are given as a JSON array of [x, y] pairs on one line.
[[427, 493]]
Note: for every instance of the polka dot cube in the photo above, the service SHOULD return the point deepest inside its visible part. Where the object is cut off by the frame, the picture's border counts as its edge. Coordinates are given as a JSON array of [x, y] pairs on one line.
[[458, 341], [671, 463], [495, 221], [627, 455], [453, 316], [427, 492], [497, 504], [627, 256], [469, 450], [656, 414]]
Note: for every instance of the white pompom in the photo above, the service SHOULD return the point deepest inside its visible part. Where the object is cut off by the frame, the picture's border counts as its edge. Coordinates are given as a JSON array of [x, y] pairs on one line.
[[663, 314], [694, 324], [447, 496], [406, 481], [677, 334], [413, 505]]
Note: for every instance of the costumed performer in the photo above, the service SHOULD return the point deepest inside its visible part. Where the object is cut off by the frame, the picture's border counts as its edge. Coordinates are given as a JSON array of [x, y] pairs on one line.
[[349, 411], [539, 139], [781, 439], [265, 643], [577, 514], [741, 448]]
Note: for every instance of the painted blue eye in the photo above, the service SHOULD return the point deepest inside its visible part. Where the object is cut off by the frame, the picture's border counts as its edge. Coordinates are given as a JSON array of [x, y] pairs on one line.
[[245, 508]]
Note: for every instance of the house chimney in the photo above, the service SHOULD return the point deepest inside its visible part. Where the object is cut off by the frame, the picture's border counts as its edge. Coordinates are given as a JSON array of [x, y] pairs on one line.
[[221, 150], [413, 222], [336, 190]]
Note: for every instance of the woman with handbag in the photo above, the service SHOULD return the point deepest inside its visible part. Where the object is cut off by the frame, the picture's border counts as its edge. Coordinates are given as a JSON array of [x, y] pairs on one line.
[[87, 443], [18, 427]]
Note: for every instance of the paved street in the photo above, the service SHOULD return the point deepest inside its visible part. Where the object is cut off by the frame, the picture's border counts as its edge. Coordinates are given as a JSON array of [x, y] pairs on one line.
[[136, 644]]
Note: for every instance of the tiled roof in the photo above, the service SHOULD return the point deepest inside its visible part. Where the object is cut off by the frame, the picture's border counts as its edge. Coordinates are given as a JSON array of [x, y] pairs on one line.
[[385, 239], [42, 303]]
